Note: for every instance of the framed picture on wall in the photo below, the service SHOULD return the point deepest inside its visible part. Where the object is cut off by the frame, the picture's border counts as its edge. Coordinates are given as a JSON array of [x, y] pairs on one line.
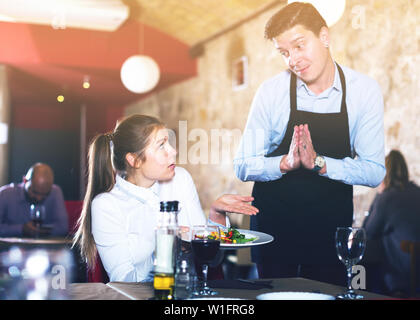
[[240, 73]]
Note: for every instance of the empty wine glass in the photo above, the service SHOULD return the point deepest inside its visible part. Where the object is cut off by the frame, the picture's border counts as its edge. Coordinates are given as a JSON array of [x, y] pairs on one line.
[[205, 245], [350, 245]]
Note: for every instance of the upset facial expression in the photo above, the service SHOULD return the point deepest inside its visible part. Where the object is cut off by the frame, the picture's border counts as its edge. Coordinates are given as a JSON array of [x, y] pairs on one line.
[[305, 53], [160, 156]]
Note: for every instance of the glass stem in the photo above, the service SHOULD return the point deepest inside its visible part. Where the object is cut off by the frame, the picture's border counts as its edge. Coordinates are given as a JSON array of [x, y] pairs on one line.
[[349, 269], [205, 271]]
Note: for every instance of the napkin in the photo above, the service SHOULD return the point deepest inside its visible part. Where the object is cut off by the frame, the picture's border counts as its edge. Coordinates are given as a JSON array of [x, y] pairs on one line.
[[241, 284]]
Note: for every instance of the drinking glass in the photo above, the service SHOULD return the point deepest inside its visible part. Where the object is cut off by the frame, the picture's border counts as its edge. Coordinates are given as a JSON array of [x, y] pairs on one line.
[[205, 243], [350, 245], [37, 214]]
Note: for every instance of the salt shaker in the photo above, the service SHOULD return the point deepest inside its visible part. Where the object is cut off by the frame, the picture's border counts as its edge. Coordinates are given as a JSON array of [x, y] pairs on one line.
[[182, 281]]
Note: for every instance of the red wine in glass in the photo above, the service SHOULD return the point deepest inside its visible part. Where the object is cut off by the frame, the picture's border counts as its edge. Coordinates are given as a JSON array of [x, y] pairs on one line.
[[205, 251], [205, 246]]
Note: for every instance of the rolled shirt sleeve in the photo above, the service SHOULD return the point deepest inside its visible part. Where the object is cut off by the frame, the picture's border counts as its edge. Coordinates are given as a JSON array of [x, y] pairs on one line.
[[191, 214], [251, 163], [368, 167]]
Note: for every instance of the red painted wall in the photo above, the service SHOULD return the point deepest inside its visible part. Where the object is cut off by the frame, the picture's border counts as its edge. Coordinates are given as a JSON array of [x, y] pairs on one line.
[[52, 117]]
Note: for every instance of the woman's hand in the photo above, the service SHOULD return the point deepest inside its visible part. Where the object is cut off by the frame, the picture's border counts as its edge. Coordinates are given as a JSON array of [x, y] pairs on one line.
[[231, 203]]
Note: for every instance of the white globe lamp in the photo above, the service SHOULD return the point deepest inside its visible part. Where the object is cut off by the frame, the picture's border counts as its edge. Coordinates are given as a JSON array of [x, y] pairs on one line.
[[140, 74]]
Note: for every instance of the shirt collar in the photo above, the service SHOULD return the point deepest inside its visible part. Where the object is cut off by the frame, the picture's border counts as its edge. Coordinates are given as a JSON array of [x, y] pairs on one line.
[[336, 84], [145, 195]]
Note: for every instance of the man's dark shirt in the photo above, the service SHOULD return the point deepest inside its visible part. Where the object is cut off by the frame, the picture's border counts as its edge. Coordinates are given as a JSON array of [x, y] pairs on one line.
[[15, 211]]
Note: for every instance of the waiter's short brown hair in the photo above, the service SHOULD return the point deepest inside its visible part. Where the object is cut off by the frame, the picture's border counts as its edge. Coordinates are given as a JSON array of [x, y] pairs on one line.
[[296, 13]]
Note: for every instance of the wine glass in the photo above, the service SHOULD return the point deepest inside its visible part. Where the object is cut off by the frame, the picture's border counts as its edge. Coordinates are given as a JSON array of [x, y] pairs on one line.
[[205, 243], [350, 245], [37, 214]]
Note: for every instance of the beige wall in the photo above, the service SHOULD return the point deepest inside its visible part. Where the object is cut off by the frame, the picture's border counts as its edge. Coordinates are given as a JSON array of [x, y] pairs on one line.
[[381, 38], [4, 119], [377, 37]]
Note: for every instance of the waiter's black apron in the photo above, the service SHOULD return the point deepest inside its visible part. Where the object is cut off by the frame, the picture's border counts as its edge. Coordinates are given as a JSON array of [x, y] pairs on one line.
[[303, 209]]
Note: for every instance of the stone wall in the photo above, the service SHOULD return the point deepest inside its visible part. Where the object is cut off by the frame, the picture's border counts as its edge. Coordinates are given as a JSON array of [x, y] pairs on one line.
[[377, 37]]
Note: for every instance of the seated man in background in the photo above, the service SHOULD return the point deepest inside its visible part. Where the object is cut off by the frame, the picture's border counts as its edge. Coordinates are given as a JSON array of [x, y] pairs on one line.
[[37, 188]]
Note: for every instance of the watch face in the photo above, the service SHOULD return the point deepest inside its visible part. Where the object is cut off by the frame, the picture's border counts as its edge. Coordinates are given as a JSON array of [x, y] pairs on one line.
[[319, 161]]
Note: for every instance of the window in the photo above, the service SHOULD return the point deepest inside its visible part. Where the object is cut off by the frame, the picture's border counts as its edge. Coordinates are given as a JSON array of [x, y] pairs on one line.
[[240, 74]]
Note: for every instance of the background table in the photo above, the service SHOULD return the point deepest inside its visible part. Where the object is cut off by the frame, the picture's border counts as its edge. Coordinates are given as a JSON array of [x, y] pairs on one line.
[[34, 242], [144, 291], [79, 272]]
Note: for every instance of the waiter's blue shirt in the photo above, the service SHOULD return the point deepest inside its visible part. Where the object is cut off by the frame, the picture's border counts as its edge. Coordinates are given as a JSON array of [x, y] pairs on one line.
[[269, 116], [15, 211]]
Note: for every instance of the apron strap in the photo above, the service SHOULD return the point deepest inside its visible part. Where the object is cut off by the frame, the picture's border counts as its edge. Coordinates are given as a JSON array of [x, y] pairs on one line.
[[293, 99], [343, 87]]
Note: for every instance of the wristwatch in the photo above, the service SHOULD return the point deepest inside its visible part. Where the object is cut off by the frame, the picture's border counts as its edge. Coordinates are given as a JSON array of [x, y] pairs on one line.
[[319, 163]]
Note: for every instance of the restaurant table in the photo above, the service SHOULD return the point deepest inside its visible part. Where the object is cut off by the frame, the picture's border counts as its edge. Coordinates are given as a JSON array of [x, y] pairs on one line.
[[50, 243], [144, 291], [94, 291], [29, 243]]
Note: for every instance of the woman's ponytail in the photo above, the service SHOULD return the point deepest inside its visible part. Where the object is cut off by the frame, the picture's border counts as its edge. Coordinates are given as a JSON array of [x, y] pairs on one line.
[[101, 178]]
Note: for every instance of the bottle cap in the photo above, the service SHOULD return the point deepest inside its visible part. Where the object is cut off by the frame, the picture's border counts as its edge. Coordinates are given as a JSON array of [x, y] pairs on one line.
[[169, 206], [175, 205]]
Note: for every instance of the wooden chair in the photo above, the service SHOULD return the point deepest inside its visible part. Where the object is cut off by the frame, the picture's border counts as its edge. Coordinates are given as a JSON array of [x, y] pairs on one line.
[[413, 249]]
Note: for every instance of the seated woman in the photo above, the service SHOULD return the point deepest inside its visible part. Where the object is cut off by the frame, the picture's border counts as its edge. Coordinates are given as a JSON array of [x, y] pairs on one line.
[[130, 171], [394, 216]]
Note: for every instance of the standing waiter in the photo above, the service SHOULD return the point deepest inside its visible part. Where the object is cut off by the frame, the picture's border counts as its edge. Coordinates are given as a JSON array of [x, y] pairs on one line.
[[313, 131]]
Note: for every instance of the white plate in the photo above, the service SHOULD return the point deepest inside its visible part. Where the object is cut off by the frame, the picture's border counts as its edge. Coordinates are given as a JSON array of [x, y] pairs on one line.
[[294, 296], [262, 238]]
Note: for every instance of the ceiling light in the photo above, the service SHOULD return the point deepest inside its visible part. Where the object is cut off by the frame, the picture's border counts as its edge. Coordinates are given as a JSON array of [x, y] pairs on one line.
[[93, 14], [140, 74], [60, 98], [86, 82]]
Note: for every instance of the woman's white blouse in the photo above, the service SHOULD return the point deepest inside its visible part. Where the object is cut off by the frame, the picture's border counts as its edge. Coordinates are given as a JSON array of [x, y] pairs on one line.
[[124, 222]]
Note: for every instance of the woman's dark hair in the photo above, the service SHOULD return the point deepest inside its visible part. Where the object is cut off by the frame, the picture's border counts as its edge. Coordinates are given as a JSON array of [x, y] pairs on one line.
[[296, 13], [131, 135], [396, 171]]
